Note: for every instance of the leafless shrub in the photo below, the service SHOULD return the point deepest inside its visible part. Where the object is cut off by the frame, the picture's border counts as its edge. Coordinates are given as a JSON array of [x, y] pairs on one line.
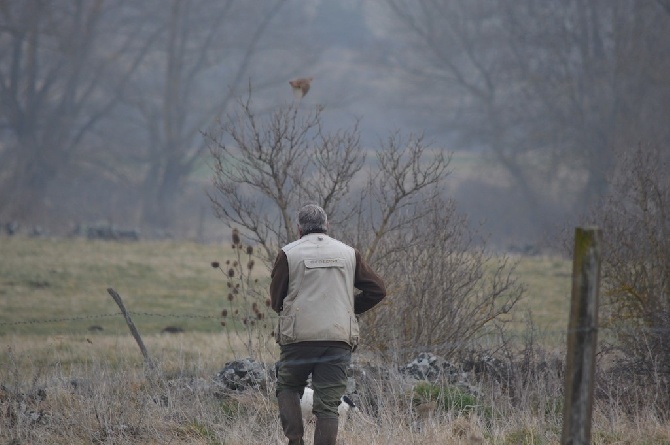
[[444, 289], [265, 168], [635, 219]]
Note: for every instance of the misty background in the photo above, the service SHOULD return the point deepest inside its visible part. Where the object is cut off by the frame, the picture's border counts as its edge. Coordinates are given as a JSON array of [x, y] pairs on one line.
[[104, 103]]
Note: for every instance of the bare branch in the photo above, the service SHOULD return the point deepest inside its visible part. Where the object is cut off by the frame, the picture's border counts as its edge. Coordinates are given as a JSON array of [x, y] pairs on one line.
[[265, 169]]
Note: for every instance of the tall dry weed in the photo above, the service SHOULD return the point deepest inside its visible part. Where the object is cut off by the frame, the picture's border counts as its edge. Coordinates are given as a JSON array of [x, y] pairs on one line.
[[246, 315]]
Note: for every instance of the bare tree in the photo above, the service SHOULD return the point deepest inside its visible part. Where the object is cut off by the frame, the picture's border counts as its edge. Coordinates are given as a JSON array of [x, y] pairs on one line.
[[207, 51], [121, 92], [442, 290], [266, 168], [552, 90], [458, 48], [56, 86]]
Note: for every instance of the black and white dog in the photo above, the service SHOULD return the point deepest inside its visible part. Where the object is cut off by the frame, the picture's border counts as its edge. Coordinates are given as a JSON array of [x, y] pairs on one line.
[[307, 401]]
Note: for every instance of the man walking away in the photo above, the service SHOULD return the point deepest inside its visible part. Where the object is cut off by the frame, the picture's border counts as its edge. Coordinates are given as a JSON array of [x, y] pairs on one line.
[[312, 290]]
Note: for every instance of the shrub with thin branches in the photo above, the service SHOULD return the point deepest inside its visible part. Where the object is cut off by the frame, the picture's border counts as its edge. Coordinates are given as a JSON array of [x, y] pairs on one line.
[[393, 208], [444, 289], [635, 218]]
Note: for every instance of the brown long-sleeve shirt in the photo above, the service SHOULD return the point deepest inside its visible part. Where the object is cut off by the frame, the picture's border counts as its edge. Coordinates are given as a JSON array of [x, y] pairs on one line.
[[366, 280]]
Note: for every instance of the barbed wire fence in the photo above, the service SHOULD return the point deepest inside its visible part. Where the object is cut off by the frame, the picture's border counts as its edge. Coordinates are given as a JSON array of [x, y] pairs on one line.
[[541, 334], [106, 315]]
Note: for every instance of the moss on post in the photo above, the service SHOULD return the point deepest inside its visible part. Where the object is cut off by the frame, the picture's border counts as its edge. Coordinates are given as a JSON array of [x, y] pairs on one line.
[[582, 338]]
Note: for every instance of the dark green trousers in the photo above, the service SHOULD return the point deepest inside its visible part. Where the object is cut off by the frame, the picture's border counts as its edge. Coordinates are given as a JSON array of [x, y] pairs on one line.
[[326, 361]]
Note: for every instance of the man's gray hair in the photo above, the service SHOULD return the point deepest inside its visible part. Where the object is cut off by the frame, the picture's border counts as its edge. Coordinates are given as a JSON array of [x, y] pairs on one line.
[[312, 218]]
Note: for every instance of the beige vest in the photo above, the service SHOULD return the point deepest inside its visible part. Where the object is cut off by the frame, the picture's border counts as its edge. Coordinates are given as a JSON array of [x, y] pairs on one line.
[[319, 304]]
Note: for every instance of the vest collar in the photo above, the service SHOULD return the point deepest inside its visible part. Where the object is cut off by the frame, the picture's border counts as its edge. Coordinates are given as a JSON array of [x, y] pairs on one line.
[[314, 232]]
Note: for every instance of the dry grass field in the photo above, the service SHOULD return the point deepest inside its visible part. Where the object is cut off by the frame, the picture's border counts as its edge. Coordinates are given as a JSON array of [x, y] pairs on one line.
[[62, 383]]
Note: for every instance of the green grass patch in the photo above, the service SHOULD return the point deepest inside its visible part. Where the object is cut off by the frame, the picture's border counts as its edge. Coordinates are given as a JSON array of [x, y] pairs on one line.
[[59, 286], [548, 282], [447, 398]]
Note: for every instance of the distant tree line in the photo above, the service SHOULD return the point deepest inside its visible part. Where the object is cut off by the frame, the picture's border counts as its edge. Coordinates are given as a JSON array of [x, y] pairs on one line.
[[107, 100], [118, 93], [551, 91]]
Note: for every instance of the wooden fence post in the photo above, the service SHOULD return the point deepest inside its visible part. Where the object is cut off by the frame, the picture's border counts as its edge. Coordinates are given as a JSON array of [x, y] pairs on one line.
[[131, 326], [582, 338]]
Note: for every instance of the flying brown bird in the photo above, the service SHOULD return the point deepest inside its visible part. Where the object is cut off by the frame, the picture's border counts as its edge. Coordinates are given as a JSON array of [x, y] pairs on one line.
[[300, 86]]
